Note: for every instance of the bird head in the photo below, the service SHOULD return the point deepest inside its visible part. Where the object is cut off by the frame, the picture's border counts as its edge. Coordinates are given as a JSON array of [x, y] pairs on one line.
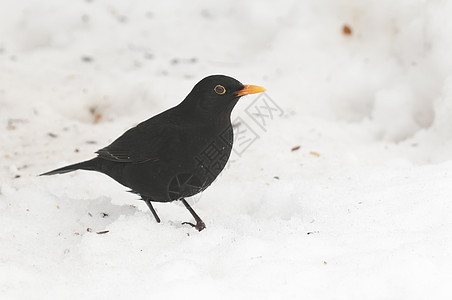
[[218, 94]]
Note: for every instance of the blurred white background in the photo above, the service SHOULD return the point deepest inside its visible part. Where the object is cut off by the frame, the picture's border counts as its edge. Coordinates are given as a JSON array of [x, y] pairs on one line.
[[361, 210]]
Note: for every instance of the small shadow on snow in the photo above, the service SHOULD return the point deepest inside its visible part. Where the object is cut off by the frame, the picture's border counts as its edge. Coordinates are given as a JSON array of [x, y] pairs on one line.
[[95, 215]]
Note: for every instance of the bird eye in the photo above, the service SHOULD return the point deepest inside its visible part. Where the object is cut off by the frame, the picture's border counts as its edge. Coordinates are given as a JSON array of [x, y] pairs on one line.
[[220, 90]]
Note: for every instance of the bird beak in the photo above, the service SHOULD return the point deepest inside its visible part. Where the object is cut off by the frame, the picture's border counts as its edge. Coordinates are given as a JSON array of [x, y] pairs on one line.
[[250, 89]]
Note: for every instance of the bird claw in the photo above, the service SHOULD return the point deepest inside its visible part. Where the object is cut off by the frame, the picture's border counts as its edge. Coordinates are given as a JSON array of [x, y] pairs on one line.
[[199, 225]]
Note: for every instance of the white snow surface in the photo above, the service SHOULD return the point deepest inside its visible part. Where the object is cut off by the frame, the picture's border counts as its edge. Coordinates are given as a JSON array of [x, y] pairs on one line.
[[362, 210]]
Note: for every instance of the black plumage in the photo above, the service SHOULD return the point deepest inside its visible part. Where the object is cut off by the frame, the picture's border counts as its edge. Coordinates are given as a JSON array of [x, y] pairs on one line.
[[177, 153]]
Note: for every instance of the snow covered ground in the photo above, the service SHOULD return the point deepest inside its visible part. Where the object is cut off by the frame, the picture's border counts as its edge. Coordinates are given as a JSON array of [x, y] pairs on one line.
[[361, 210]]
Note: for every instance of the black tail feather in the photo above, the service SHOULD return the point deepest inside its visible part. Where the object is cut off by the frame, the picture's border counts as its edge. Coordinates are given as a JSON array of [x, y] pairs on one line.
[[90, 165]]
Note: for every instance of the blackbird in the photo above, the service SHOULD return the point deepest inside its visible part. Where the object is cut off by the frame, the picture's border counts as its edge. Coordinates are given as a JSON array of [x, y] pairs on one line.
[[177, 153]]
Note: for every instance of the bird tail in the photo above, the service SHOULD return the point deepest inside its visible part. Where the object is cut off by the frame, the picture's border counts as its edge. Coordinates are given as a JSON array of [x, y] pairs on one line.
[[90, 165]]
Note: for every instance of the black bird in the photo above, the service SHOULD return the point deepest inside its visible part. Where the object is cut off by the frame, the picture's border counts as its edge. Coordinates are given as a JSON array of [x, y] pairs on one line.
[[177, 153]]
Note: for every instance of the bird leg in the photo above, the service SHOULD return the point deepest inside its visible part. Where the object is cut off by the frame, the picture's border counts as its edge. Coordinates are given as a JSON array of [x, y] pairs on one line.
[[148, 202], [199, 223]]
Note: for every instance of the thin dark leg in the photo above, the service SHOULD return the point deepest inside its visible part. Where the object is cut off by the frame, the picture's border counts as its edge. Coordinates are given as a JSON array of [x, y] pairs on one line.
[[199, 223], [148, 202]]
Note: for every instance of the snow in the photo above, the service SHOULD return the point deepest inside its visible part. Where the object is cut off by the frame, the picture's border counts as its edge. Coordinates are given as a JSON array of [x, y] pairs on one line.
[[360, 211]]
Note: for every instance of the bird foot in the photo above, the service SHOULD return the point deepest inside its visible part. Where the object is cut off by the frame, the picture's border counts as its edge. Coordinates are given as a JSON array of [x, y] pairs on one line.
[[199, 225]]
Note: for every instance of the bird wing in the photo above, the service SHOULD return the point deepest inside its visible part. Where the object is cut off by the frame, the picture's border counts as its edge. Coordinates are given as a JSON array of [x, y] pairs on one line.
[[145, 142]]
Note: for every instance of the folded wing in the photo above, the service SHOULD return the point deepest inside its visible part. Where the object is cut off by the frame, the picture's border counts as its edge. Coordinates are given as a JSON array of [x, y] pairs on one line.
[[146, 142]]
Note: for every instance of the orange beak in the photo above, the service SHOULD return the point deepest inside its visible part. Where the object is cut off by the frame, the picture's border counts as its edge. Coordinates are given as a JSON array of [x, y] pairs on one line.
[[250, 89]]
